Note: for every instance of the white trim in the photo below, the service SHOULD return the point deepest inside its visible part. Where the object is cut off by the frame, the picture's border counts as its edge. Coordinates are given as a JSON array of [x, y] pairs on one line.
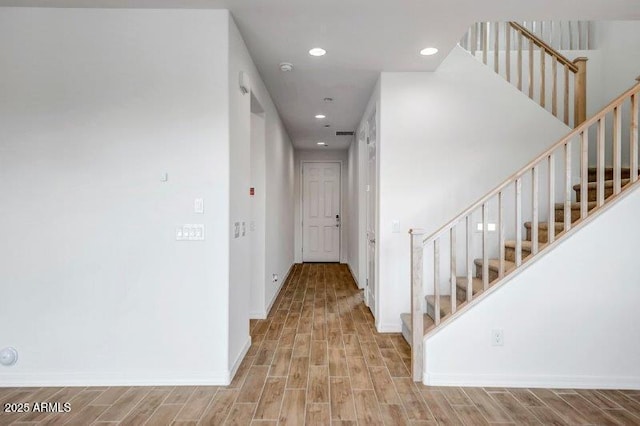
[[275, 295], [342, 202], [389, 327], [146, 378], [532, 381], [236, 364]]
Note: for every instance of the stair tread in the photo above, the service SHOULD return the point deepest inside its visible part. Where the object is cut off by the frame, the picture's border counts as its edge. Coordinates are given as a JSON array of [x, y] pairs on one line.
[[445, 304], [609, 169], [577, 206], [526, 245], [476, 284], [494, 264], [607, 184], [559, 226], [427, 321]]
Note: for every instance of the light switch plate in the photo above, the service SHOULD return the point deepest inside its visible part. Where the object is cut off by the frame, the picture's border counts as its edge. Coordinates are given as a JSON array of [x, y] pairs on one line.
[[395, 226], [198, 206]]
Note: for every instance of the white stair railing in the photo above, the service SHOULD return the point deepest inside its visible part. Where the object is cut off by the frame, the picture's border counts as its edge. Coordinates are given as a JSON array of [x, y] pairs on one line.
[[535, 67], [542, 190]]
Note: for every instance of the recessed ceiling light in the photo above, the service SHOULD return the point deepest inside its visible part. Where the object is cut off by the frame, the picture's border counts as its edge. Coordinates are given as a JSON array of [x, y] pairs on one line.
[[320, 116], [429, 51], [327, 125], [328, 99], [322, 143], [317, 51]]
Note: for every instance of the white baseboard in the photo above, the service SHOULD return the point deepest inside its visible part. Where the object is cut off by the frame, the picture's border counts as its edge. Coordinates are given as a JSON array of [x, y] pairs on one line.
[[389, 327], [354, 276], [260, 315], [527, 381], [147, 378], [238, 361], [275, 295]]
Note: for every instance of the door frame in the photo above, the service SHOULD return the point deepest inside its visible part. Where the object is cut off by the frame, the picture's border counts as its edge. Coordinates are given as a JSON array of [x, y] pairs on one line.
[[364, 240], [340, 206]]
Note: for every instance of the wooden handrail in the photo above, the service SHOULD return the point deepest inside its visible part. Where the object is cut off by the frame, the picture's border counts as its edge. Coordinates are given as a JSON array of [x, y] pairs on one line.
[[520, 173], [532, 79], [541, 44]]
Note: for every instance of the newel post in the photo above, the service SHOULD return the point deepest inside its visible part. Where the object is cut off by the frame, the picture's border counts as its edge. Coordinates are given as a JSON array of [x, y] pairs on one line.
[[580, 91], [417, 326]]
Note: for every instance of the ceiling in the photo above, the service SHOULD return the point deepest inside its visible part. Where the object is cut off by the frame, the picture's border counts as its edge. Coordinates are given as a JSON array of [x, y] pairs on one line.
[[362, 39]]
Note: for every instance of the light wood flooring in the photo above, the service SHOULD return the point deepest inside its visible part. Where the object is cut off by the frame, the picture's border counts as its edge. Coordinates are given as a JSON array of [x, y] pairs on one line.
[[317, 359]]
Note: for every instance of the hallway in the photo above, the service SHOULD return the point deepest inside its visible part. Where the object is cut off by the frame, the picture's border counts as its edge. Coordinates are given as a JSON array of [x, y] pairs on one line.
[[318, 360]]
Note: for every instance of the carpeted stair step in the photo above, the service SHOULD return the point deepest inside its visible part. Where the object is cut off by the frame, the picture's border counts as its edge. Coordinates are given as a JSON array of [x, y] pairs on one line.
[[461, 287], [608, 173], [592, 189], [407, 326], [494, 265], [575, 210], [543, 231], [445, 306], [527, 248]]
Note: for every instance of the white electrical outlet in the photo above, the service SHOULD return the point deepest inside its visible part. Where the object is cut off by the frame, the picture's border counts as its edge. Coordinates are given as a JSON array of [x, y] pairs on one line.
[[497, 337], [395, 226], [244, 229]]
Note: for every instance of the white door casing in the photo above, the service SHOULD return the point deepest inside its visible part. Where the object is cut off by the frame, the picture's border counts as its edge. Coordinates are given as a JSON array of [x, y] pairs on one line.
[[371, 212], [321, 215]]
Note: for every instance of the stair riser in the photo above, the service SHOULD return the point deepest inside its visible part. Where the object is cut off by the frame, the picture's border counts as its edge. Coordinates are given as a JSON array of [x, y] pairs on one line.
[[593, 194], [608, 175], [543, 237], [431, 311], [493, 275], [510, 254], [575, 215]]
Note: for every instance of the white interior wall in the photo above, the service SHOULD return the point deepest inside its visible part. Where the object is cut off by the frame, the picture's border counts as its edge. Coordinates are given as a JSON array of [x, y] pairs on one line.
[[277, 158], [95, 288], [446, 139], [280, 205], [619, 41], [329, 155], [569, 319]]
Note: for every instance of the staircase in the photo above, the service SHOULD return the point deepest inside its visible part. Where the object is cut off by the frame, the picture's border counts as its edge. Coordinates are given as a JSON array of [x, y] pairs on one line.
[[546, 201], [477, 285]]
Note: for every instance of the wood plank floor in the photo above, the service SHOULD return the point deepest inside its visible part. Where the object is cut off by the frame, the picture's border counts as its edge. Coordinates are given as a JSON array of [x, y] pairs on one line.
[[317, 359]]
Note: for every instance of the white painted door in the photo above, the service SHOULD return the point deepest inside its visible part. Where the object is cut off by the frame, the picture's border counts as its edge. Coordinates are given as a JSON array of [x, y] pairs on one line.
[[321, 212], [370, 290]]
